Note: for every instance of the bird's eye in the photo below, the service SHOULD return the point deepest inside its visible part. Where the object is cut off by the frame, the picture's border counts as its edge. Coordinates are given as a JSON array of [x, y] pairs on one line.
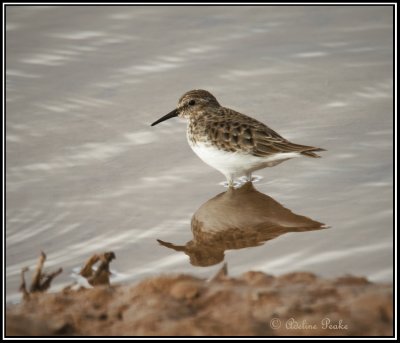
[[192, 102]]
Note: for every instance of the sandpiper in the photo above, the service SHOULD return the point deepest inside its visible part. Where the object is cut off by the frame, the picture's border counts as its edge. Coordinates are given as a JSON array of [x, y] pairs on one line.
[[231, 142]]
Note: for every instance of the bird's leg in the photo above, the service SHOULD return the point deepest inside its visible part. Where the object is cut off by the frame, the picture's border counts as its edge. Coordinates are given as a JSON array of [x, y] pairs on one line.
[[231, 182], [249, 177]]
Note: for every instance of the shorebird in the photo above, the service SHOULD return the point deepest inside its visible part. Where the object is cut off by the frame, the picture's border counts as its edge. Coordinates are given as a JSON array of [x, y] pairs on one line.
[[231, 142]]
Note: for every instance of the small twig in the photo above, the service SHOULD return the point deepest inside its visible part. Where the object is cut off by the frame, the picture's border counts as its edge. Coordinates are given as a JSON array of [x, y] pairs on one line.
[[40, 281], [87, 269], [37, 276], [102, 274], [22, 288], [48, 278], [221, 274]]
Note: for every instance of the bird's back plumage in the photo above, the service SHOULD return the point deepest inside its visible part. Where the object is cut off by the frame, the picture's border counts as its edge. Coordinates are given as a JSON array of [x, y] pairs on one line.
[[232, 131]]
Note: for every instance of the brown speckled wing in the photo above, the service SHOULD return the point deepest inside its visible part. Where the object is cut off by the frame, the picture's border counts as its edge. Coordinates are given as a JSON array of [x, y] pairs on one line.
[[232, 131]]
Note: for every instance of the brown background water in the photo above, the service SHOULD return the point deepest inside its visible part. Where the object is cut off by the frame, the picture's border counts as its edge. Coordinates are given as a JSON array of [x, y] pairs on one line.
[[86, 173]]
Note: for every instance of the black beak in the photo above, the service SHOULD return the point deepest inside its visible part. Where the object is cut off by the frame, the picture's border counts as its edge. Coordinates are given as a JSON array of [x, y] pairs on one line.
[[171, 114]]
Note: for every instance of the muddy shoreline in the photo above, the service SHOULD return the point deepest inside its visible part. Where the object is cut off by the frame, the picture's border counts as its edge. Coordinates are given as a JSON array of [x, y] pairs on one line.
[[253, 304]]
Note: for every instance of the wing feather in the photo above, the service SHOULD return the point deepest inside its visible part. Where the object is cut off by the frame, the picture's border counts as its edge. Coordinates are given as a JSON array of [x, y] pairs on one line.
[[232, 130]]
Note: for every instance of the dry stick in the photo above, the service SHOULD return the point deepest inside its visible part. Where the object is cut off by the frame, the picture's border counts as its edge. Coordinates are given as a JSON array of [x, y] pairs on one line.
[[40, 281], [22, 288], [37, 276], [87, 270], [102, 274], [49, 278], [221, 274]]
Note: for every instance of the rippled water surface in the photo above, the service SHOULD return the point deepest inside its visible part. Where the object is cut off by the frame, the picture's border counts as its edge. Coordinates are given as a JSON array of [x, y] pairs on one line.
[[86, 173]]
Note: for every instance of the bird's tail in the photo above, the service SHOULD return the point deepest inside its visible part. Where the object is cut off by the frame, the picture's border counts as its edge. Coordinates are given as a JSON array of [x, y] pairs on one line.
[[304, 149], [310, 151]]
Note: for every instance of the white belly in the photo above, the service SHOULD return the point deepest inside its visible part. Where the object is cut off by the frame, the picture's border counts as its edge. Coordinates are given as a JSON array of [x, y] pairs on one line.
[[235, 164]]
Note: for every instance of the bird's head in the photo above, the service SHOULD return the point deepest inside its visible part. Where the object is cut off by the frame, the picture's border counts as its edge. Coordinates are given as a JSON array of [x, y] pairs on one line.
[[191, 103]]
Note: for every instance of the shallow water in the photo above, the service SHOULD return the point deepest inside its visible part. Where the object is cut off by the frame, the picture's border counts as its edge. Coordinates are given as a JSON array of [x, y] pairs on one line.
[[86, 173]]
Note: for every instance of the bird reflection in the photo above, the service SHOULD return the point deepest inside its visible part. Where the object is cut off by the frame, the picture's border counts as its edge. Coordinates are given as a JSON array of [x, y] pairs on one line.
[[236, 219]]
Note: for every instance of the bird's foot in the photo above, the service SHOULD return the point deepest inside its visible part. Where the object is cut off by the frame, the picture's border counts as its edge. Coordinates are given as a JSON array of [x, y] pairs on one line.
[[240, 181], [254, 178], [230, 184]]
